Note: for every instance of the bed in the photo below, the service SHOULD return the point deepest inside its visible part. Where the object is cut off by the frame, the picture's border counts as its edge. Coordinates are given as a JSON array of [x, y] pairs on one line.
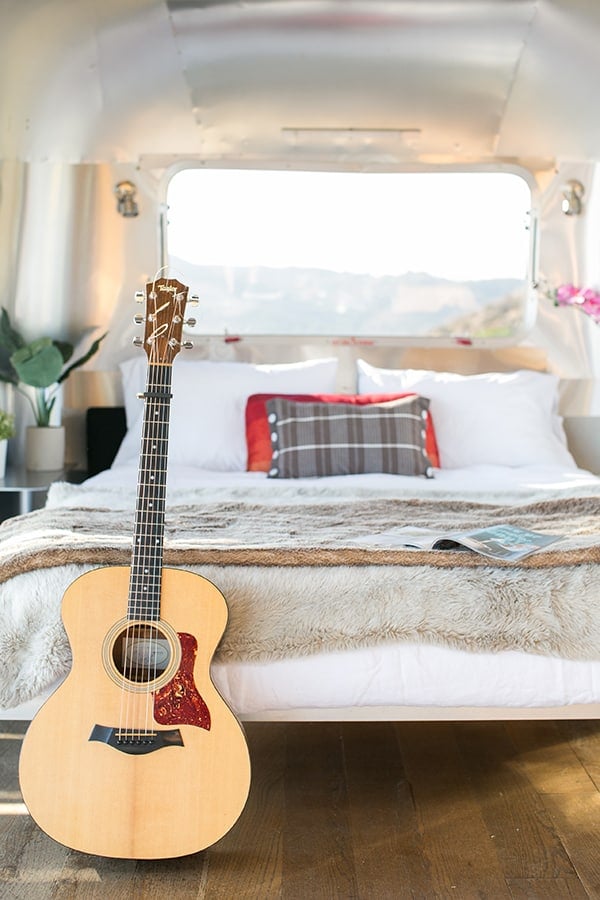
[[330, 616]]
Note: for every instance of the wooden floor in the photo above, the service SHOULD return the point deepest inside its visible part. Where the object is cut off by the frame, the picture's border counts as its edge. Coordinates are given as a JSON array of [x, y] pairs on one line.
[[359, 810]]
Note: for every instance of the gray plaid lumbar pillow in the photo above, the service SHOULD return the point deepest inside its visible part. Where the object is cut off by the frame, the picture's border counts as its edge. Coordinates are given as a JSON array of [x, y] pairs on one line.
[[310, 439]]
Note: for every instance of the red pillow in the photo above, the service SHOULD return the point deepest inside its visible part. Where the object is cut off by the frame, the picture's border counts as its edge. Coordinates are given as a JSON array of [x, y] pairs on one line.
[[258, 436]]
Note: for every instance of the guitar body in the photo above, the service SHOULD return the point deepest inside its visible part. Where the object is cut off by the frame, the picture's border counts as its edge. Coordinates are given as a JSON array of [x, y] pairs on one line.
[[153, 765]]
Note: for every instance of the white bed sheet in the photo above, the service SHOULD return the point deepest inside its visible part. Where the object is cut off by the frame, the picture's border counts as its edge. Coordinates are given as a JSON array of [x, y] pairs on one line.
[[404, 675], [523, 482]]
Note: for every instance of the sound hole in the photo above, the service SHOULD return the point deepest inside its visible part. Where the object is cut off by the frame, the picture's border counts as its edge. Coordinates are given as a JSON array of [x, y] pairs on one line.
[[141, 653]]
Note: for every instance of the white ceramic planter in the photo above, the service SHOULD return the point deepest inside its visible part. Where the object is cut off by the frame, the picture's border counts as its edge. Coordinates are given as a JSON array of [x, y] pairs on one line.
[[45, 448], [3, 447]]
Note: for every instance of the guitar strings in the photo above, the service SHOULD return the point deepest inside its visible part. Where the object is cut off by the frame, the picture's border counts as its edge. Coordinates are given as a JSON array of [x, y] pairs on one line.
[[142, 568], [148, 577], [140, 654], [159, 467], [155, 512]]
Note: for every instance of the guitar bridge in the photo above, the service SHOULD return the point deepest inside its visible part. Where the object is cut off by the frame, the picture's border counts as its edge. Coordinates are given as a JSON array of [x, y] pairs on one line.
[[136, 741]]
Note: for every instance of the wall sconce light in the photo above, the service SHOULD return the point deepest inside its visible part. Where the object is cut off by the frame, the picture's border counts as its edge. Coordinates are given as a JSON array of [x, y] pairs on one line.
[[125, 192], [572, 204]]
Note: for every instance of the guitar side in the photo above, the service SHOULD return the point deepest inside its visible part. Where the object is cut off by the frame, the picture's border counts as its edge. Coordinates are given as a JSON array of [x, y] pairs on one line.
[[91, 795]]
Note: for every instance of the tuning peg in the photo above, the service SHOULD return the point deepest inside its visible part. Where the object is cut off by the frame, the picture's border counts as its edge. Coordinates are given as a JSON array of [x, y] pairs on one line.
[[139, 319], [187, 345], [190, 322], [139, 296], [194, 300], [138, 342]]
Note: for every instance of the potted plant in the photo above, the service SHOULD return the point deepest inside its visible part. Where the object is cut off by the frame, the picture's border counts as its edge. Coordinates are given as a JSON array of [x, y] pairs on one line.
[[42, 365], [7, 430]]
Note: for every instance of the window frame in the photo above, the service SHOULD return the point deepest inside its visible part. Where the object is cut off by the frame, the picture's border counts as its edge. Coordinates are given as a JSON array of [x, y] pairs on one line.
[[439, 341]]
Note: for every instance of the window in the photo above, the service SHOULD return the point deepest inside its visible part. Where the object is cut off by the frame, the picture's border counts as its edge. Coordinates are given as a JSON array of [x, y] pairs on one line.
[[442, 254]]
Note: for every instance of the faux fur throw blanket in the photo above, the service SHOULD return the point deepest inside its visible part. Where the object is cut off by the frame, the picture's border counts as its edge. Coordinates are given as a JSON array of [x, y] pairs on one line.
[[303, 579], [233, 533]]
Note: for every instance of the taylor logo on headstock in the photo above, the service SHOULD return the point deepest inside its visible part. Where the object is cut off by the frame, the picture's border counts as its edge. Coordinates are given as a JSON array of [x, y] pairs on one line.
[[165, 299]]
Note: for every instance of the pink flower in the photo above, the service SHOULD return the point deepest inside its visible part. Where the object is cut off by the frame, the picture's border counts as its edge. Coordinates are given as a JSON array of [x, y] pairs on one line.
[[565, 292], [587, 300], [591, 305]]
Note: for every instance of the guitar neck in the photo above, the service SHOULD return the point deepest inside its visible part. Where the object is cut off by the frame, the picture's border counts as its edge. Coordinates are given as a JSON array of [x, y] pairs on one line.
[[148, 539]]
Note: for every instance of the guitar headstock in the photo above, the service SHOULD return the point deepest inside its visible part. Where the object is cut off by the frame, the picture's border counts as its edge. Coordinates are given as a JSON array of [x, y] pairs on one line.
[[165, 300]]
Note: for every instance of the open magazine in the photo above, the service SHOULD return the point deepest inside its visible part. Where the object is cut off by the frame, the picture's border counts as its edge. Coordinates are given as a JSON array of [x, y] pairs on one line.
[[507, 542]]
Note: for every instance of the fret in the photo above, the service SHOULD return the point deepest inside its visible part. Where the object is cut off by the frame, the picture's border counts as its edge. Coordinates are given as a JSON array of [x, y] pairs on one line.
[[155, 507]]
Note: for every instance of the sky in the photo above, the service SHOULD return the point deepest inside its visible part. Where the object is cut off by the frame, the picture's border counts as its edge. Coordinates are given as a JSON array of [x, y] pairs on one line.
[[461, 226]]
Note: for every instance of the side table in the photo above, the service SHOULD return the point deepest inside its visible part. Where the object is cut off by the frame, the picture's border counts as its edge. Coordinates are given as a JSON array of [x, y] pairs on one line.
[[29, 489]]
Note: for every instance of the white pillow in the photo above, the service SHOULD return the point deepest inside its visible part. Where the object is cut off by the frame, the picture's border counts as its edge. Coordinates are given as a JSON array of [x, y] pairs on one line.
[[207, 419], [496, 418]]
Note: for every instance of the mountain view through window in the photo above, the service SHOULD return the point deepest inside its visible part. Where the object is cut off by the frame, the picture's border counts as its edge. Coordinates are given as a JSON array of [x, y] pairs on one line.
[[352, 253]]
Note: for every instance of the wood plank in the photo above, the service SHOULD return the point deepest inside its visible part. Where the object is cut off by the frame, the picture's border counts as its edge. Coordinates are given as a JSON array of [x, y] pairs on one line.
[[386, 841], [247, 863], [91, 877], [317, 856], [36, 864], [584, 737], [177, 879], [458, 848], [547, 889], [576, 817], [30, 862], [523, 833], [547, 759]]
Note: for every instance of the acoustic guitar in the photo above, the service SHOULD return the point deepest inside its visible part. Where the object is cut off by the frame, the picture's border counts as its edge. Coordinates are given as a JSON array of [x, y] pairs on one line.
[[136, 755]]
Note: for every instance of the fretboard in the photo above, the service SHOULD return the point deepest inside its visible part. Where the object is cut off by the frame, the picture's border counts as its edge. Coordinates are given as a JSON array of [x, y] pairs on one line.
[[148, 538]]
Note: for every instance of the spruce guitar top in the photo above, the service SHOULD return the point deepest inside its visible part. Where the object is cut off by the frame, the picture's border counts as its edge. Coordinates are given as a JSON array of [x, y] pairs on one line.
[[136, 754]]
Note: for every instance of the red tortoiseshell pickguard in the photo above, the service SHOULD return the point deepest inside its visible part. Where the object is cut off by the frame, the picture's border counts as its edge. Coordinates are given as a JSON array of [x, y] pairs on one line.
[[178, 702]]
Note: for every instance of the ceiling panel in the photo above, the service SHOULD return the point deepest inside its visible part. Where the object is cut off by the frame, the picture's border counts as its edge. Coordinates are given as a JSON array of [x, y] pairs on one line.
[[381, 82]]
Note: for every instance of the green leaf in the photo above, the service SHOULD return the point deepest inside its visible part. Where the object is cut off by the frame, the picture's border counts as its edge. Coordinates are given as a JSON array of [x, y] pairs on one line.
[[7, 425], [43, 407], [10, 340], [66, 350], [82, 359], [38, 364], [7, 372]]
